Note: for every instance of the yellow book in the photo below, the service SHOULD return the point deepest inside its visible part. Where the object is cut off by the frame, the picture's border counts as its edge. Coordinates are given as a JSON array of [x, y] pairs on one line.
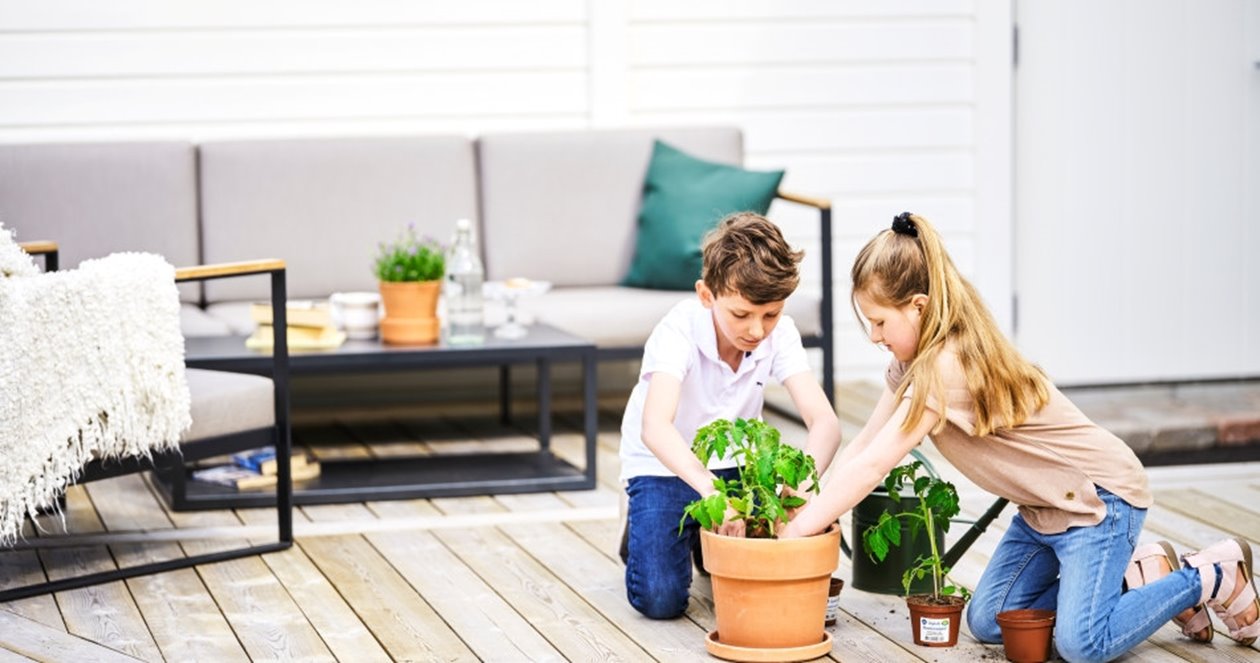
[[298, 313], [300, 338]]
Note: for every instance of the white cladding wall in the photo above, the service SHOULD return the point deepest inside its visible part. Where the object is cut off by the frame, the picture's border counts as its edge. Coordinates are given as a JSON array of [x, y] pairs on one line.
[[879, 106]]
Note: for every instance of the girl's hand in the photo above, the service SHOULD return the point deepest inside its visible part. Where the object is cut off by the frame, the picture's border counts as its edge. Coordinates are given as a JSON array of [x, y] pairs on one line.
[[790, 531], [732, 523]]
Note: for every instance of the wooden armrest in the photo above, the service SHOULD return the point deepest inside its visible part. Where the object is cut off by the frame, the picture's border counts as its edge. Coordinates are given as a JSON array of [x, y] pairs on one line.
[[817, 203], [229, 269], [38, 248]]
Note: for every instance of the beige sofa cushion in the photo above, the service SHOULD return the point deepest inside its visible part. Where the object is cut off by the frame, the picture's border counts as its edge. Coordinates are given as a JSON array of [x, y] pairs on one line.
[[94, 199], [324, 205], [224, 403], [563, 206]]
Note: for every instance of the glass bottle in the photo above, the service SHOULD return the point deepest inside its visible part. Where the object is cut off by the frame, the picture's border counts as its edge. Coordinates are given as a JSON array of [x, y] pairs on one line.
[[464, 309]]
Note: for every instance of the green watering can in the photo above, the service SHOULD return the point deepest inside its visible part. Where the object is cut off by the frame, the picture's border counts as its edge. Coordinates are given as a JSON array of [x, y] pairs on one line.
[[885, 577]]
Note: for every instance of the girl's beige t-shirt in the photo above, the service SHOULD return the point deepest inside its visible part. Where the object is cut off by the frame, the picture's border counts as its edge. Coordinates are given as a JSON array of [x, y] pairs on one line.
[[1048, 466]]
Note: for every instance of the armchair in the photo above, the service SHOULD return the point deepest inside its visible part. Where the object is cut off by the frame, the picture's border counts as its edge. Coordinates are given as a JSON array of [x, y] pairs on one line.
[[226, 418]]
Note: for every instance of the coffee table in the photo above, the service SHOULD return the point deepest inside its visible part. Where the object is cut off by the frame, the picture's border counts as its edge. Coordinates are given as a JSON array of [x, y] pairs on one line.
[[355, 480]]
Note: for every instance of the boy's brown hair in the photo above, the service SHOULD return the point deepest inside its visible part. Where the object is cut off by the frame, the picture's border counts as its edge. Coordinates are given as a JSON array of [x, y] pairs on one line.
[[747, 255]]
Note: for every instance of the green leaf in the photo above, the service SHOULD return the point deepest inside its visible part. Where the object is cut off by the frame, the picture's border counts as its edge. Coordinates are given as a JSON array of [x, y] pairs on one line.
[[793, 502]]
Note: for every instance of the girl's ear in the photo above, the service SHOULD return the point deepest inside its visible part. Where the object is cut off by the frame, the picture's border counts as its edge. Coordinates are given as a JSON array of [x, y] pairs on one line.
[[919, 302]]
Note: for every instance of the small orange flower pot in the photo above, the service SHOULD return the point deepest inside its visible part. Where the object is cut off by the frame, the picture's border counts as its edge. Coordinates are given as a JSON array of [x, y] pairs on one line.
[[410, 312]]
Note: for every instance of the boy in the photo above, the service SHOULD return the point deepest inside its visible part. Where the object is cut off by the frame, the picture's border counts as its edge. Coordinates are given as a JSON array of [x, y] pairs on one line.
[[710, 358]]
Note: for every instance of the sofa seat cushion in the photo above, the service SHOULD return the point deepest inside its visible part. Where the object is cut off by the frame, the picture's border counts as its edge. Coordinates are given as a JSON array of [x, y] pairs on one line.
[[196, 323], [225, 403], [615, 316]]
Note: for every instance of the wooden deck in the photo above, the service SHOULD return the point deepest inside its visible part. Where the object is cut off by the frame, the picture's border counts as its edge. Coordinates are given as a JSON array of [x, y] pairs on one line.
[[507, 578]]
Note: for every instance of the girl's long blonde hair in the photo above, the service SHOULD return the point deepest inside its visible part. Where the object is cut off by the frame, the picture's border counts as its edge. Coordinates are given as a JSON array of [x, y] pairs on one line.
[[910, 259]]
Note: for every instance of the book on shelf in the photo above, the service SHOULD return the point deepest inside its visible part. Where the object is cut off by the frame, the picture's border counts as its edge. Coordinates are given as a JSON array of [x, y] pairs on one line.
[[297, 313], [234, 477], [242, 478], [263, 460], [300, 338]]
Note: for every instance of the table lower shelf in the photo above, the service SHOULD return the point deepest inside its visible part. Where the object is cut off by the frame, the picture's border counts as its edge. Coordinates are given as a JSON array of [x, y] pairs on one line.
[[358, 480]]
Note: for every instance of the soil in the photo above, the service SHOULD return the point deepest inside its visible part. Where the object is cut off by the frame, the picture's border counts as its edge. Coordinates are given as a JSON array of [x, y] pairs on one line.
[[928, 599]]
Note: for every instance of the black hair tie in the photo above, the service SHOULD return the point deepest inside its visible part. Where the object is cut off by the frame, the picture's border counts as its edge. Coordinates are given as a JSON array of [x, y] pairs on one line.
[[902, 225]]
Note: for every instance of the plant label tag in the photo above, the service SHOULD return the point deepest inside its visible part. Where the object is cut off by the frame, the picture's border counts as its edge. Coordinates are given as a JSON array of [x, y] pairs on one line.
[[934, 630], [833, 609]]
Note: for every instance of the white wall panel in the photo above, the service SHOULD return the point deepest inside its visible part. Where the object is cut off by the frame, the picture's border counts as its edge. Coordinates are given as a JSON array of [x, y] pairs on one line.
[[49, 15], [233, 99], [799, 86], [772, 131], [708, 10], [670, 45], [277, 52]]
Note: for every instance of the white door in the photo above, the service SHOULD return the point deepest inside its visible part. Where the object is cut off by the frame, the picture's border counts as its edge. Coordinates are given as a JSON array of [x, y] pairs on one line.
[[1137, 188]]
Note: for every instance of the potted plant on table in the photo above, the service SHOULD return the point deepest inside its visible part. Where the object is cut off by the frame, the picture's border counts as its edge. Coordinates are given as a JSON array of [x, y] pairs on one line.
[[934, 617], [410, 272], [769, 595]]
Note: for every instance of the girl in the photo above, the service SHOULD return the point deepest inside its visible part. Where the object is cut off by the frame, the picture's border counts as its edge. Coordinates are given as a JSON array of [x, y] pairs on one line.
[[1082, 493]]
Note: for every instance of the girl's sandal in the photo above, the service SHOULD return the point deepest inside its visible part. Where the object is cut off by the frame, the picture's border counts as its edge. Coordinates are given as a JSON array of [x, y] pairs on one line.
[[1219, 585], [1144, 569]]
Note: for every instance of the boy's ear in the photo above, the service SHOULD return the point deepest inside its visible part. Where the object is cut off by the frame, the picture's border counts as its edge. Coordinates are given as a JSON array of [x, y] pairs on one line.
[[706, 295]]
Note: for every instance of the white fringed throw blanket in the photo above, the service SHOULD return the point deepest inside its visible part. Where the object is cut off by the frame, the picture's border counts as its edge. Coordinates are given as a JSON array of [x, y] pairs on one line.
[[91, 366]]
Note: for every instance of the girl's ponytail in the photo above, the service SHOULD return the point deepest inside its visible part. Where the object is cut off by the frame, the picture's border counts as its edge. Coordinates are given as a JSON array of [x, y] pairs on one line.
[[910, 259]]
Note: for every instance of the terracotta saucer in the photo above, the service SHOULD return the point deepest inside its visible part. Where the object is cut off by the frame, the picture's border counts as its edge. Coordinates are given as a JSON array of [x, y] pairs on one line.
[[733, 653]]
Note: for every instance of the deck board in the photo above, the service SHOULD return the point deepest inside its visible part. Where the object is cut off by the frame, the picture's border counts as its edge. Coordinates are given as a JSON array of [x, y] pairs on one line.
[[437, 583]]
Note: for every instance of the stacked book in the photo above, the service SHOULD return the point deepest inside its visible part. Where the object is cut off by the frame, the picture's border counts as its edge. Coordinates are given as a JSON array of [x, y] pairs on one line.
[[257, 468], [309, 323]]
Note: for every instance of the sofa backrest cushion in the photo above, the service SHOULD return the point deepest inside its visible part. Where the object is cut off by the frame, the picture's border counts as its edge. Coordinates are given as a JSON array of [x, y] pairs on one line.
[[94, 199], [562, 206], [324, 205]]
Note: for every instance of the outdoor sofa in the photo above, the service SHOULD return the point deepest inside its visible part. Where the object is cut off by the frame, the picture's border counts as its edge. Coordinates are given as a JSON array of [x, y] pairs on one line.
[[556, 206]]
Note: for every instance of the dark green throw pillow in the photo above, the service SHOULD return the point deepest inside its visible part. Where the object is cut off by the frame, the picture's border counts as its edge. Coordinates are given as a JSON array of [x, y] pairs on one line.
[[683, 198]]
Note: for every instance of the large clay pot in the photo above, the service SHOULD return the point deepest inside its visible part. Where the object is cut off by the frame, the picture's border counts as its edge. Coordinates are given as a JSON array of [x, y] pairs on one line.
[[1026, 634], [410, 312], [770, 594], [932, 624]]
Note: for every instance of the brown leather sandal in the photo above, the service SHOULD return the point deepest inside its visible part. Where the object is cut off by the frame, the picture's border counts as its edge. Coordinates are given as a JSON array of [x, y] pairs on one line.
[[1144, 569]]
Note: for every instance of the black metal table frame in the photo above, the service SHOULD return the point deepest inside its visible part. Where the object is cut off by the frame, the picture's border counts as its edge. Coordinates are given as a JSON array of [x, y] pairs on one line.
[[352, 480]]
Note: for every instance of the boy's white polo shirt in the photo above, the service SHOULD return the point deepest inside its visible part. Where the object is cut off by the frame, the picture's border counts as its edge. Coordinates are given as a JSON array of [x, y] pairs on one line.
[[684, 345]]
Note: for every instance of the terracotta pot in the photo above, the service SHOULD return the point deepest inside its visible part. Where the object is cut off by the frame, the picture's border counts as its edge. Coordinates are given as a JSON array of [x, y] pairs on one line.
[[935, 625], [770, 593], [410, 312], [1026, 634]]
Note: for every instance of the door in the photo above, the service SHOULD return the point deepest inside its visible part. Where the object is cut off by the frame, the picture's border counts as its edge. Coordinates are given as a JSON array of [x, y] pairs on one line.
[[1137, 170]]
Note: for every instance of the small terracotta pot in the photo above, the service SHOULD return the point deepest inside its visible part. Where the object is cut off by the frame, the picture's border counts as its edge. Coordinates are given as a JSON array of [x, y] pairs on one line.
[[770, 593], [833, 601], [935, 625], [410, 312], [1026, 634]]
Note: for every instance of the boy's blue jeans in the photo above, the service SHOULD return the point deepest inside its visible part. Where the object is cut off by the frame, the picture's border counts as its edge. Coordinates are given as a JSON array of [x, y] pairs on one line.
[[658, 567], [1079, 573]]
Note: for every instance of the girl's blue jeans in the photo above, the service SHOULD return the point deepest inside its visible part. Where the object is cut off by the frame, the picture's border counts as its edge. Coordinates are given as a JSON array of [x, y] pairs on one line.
[[658, 565], [1079, 574]]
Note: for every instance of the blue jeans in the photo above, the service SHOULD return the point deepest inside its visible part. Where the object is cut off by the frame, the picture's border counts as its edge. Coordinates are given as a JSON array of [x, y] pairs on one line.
[[658, 566], [1079, 573]]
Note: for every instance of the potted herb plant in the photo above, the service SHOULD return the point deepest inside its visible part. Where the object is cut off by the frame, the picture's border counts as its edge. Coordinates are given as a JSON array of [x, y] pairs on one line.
[[769, 595], [934, 617], [410, 272]]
